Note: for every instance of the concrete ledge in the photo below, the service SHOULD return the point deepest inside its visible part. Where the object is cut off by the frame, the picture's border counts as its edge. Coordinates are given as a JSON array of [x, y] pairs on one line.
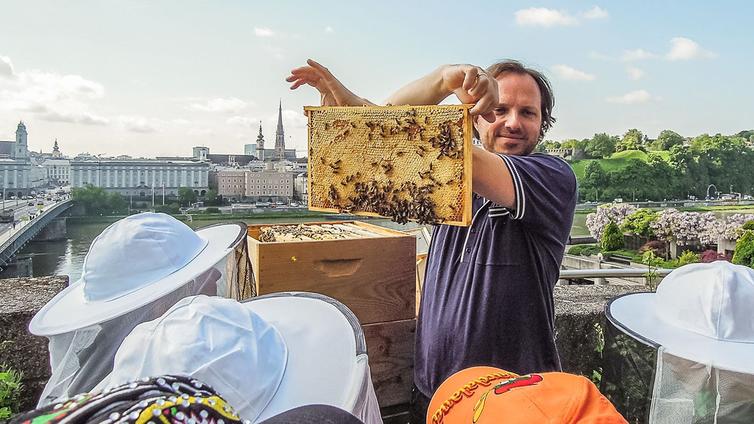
[[22, 298], [579, 321], [578, 311]]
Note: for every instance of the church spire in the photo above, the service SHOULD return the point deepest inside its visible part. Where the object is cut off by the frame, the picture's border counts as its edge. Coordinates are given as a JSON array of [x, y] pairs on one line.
[[280, 135]]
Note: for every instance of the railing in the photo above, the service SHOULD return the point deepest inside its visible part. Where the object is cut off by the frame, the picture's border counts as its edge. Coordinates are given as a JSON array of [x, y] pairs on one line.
[[569, 274], [16, 238]]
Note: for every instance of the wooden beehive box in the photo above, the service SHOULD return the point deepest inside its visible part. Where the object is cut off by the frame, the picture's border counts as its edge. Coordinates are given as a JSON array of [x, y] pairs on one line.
[[373, 275], [400, 162]]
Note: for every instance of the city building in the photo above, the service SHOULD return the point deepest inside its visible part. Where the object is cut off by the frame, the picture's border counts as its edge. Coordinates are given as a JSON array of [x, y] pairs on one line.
[[57, 171], [269, 186], [231, 184], [15, 164], [140, 177]]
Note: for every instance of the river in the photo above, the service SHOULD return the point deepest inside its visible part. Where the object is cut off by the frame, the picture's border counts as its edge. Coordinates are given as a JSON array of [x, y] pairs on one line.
[[66, 257]]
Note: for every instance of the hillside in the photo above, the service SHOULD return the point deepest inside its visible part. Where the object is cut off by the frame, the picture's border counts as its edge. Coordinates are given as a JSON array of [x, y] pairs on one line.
[[618, 160]]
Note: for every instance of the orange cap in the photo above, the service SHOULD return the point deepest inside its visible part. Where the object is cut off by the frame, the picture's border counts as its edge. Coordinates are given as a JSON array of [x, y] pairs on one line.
[[485, 395]]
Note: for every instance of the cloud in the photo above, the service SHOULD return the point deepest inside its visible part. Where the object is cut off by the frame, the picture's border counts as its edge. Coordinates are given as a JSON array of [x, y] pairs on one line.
[[540, 16], [636, 54], [243, 121], [634, 73], [686, 49], [595, 12], [631, 98], [6, 67], [72, 118], [138, 124], [329, 29], [568, 73], [221, 105], [50, 96], [263, 32]]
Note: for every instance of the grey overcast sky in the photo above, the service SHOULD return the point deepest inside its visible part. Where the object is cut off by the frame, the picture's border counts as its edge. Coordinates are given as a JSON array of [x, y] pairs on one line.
[[149, 78]]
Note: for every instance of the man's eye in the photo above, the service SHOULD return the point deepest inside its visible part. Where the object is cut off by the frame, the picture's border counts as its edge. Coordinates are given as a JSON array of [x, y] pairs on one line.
[[500, 110]]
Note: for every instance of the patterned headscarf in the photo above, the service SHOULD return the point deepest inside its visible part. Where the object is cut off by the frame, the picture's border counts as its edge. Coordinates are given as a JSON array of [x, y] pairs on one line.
[[167, 399]]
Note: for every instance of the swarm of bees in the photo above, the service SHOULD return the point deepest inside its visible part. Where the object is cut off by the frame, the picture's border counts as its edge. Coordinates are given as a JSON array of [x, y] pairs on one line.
[[402, 165]]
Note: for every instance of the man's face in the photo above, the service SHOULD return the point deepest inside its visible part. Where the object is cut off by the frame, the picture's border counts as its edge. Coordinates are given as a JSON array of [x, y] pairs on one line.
[[518, 117]]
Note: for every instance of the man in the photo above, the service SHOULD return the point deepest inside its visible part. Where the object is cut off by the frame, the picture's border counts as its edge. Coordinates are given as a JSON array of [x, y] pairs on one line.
[[488, 289]]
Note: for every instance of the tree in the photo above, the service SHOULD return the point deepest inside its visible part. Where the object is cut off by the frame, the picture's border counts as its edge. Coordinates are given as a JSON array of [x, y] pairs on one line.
[[186, 196], [595, 180], [632, 140], [211, 197], [601, 146], [612, 238], [744, 253], [668, 139], [97, 201]]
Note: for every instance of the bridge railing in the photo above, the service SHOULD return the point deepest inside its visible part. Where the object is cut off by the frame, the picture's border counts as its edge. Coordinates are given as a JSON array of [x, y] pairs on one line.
[[16, 238]]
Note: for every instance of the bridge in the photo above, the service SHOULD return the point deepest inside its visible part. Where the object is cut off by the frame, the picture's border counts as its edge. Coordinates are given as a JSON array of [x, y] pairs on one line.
[[16, 238]]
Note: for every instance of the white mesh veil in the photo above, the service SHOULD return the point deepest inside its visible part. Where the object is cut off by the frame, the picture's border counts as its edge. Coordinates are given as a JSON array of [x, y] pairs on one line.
[[689, 392], [80, 359]]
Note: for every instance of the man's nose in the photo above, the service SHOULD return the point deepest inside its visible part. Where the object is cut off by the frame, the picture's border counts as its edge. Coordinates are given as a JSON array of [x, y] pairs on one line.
[[513, 123]]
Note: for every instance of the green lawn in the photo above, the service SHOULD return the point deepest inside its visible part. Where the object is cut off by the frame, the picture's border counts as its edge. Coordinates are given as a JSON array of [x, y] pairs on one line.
[[617, 161]]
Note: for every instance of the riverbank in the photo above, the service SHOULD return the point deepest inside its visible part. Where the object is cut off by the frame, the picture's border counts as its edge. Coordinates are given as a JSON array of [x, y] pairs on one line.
[[207, 217]]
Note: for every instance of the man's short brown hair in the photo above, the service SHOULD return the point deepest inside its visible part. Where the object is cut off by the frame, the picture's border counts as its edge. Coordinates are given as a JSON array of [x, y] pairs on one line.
[[545, 90]]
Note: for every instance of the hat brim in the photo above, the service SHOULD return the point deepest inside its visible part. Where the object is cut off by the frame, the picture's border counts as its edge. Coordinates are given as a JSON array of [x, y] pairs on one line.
[[326, 350], [635, 315], [69, 310]]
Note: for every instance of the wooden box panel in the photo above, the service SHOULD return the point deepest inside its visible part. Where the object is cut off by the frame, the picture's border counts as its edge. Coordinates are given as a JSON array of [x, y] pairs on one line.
[[400, 162], [375, 277], [390, 346]]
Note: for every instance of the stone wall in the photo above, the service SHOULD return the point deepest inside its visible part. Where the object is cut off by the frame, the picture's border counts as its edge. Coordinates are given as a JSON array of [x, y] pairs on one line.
[[579, 314], [22, 298]]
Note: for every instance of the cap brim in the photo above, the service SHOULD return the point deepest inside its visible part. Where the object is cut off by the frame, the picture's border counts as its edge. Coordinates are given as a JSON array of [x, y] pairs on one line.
[[325, 351], [69, 310], [634, 313]]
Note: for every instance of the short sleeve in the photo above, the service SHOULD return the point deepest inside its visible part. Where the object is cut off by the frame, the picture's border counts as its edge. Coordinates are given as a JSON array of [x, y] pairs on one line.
[[545, 188]]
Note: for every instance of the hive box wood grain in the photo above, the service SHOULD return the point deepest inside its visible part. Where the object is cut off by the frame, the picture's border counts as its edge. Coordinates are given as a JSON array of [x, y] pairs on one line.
[[375, 277], [390, 346], [394, 161]]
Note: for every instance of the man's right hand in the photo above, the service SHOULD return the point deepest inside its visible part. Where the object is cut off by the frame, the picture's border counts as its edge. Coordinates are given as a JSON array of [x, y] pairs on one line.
[[332, 91], [471, 84]]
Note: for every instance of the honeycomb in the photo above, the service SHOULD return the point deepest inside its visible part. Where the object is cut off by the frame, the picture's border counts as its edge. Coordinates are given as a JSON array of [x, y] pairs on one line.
[[399, 162]]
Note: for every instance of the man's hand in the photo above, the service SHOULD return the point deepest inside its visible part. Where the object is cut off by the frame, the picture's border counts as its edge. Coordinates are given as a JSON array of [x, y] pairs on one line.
[[331, 90], [471, 84]]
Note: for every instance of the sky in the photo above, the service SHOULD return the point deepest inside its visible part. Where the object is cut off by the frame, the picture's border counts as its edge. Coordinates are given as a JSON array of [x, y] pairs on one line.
[[154, 78]]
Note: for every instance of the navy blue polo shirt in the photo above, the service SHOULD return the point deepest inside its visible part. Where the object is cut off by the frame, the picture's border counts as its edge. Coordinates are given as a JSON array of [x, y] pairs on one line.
[[488, 289]]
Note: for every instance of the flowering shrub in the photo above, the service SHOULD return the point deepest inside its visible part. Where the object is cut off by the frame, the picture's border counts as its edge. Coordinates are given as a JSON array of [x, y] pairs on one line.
[[611, 212], [730, 227], [685, 227]]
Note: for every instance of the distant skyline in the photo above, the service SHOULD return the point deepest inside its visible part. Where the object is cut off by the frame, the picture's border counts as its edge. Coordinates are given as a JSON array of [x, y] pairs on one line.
[[148, 78]]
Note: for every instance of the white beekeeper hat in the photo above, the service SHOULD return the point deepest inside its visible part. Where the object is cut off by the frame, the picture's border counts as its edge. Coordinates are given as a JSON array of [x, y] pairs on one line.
[[133, 262], [264, 356]]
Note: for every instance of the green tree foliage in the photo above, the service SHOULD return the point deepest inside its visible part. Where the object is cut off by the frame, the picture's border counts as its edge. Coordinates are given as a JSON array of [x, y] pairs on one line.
[[748, 225], [186, 196], [211, 197], [744, 254], [667, 139], [687, 257], [97, 201], [639, 223], [612, 238], [601, 146], [595, 179], [10, 391], [633, 139]]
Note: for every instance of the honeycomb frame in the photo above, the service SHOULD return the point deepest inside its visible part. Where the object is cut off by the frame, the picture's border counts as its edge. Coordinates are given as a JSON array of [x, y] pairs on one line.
[[399, 162]]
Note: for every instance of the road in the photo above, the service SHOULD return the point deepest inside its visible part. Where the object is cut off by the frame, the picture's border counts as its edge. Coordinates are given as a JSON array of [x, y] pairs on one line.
[[21, 211]]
